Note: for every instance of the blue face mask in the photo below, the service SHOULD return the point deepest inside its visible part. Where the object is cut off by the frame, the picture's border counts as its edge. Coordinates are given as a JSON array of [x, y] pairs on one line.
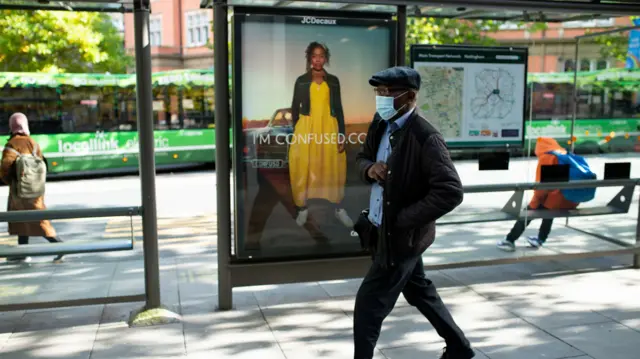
[[385, 108]]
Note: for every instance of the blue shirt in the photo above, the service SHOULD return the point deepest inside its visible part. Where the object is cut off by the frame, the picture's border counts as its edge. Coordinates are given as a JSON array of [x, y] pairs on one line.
[[384, 150]]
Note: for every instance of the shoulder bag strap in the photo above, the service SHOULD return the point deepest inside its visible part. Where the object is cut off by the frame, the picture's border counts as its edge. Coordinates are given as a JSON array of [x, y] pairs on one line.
[[13, 150], [35, 149]]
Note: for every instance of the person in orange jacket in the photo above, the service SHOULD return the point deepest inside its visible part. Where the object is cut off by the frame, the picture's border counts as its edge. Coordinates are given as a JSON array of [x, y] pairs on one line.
[[542, 199]]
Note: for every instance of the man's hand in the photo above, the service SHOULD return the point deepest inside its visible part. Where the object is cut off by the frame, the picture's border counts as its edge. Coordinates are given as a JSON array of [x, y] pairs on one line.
[[378, 171], [340, 147]]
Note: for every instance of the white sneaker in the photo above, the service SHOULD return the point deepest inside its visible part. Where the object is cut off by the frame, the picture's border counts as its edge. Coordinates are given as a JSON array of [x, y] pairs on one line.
[[534, 242], [507, 246], [19, 260], [344, 218], [302, 217]]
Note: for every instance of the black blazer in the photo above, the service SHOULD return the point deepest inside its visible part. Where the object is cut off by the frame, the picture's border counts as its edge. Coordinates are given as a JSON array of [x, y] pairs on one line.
[[421, 185], [301, 104]]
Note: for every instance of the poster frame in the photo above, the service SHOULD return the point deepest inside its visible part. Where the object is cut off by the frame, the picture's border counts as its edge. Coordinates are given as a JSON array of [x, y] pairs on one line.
[[415, 48], [240, 14]]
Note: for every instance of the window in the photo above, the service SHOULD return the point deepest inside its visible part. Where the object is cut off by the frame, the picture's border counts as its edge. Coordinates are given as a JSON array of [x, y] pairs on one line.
[[508, 25], [589, 23], [602, 65], [155, 31], [585, 65], [197, 29], [569, 66]]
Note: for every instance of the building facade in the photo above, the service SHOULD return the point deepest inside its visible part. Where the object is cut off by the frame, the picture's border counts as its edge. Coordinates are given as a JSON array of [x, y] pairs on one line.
[[553, 50], [181, 38], [181, 35]]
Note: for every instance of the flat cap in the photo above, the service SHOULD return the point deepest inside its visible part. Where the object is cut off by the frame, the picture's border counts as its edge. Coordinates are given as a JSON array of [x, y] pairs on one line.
[[398, 76]]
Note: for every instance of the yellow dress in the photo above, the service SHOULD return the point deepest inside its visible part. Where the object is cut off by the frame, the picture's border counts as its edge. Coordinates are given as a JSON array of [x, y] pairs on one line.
[[316, 168]]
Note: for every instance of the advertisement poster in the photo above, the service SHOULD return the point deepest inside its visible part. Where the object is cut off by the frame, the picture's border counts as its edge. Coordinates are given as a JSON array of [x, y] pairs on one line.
[[633, 50], [474, 95], [303, 103]]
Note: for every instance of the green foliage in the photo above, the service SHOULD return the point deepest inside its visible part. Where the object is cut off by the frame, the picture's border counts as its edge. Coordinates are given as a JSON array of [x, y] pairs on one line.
[[449, 31], [438, 31], [613, 46], [56, 41], [210, 46]]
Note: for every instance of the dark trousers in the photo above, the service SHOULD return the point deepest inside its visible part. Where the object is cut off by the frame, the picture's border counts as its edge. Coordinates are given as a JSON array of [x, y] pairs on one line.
[[520, 225], [378, 294], [24, 240]]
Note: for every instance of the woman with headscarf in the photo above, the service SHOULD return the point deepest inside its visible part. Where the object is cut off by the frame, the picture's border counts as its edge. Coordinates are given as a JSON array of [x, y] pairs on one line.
[[21, 142]]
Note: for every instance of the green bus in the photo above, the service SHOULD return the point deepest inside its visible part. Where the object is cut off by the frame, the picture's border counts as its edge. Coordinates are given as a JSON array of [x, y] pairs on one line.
[[86, 123], [607, 111]]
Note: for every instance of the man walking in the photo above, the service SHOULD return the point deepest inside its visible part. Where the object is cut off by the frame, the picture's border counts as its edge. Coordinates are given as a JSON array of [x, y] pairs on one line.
[[414, 183]]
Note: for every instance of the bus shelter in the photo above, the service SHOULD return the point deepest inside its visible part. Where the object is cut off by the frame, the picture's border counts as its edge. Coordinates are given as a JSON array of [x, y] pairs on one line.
[[253, 200], [243, 260]]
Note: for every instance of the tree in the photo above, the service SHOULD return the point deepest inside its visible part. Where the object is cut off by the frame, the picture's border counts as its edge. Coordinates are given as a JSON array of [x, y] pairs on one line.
[[613, 46], [210, 45], [56, 41], [438, 31]]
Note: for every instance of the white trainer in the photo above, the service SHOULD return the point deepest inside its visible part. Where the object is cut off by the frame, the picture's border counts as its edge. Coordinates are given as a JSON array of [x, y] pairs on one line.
[[344, 218], [302, 217]]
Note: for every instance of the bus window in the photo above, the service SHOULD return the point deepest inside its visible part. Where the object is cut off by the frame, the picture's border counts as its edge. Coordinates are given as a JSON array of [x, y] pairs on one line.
[[40, 105]]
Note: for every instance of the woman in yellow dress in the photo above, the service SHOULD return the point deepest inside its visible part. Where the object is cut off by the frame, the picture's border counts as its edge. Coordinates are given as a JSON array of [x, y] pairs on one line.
[[317, 158]]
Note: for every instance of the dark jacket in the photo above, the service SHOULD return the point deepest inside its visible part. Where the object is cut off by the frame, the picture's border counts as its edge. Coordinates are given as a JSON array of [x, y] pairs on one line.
[[301, 104], [421, 185]]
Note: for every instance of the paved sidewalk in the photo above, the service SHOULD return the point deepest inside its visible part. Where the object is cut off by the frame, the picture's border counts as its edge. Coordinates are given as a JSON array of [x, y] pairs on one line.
[[578, 309]]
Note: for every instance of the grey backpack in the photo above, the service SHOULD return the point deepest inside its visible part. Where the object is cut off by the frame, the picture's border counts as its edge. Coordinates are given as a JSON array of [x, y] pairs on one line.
[[31, 174]]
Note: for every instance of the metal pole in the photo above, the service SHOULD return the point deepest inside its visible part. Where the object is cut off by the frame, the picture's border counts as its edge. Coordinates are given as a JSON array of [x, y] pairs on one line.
[[575, 93], [608, 32], [575, 103], [401, 35], [147, 156], [221, 63], [636, 256]]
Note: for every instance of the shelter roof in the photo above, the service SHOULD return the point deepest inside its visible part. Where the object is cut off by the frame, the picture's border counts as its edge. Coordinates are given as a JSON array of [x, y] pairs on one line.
[[504, 10]]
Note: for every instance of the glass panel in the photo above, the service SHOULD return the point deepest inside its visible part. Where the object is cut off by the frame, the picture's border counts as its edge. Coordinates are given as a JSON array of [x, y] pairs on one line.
[[75, 117], [477, 97]]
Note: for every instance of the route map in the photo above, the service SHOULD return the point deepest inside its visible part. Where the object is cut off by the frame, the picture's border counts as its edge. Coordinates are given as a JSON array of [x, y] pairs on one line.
[[494, 97], [474, 95], [441, 98]]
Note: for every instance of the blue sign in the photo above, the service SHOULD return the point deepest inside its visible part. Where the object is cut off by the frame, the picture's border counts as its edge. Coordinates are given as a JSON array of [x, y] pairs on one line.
[[633, 52]]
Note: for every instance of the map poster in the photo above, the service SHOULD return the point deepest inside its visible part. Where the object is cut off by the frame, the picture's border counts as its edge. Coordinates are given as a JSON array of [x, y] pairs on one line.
[[475, 96]]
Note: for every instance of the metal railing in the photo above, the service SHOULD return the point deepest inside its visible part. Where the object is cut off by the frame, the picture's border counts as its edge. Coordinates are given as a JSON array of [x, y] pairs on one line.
[[509, 187], [39, 215], [295, 271]]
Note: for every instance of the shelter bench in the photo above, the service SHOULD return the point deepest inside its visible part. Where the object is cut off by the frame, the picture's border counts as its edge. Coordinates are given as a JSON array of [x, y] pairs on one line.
[[513, 210], [69, 247]]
